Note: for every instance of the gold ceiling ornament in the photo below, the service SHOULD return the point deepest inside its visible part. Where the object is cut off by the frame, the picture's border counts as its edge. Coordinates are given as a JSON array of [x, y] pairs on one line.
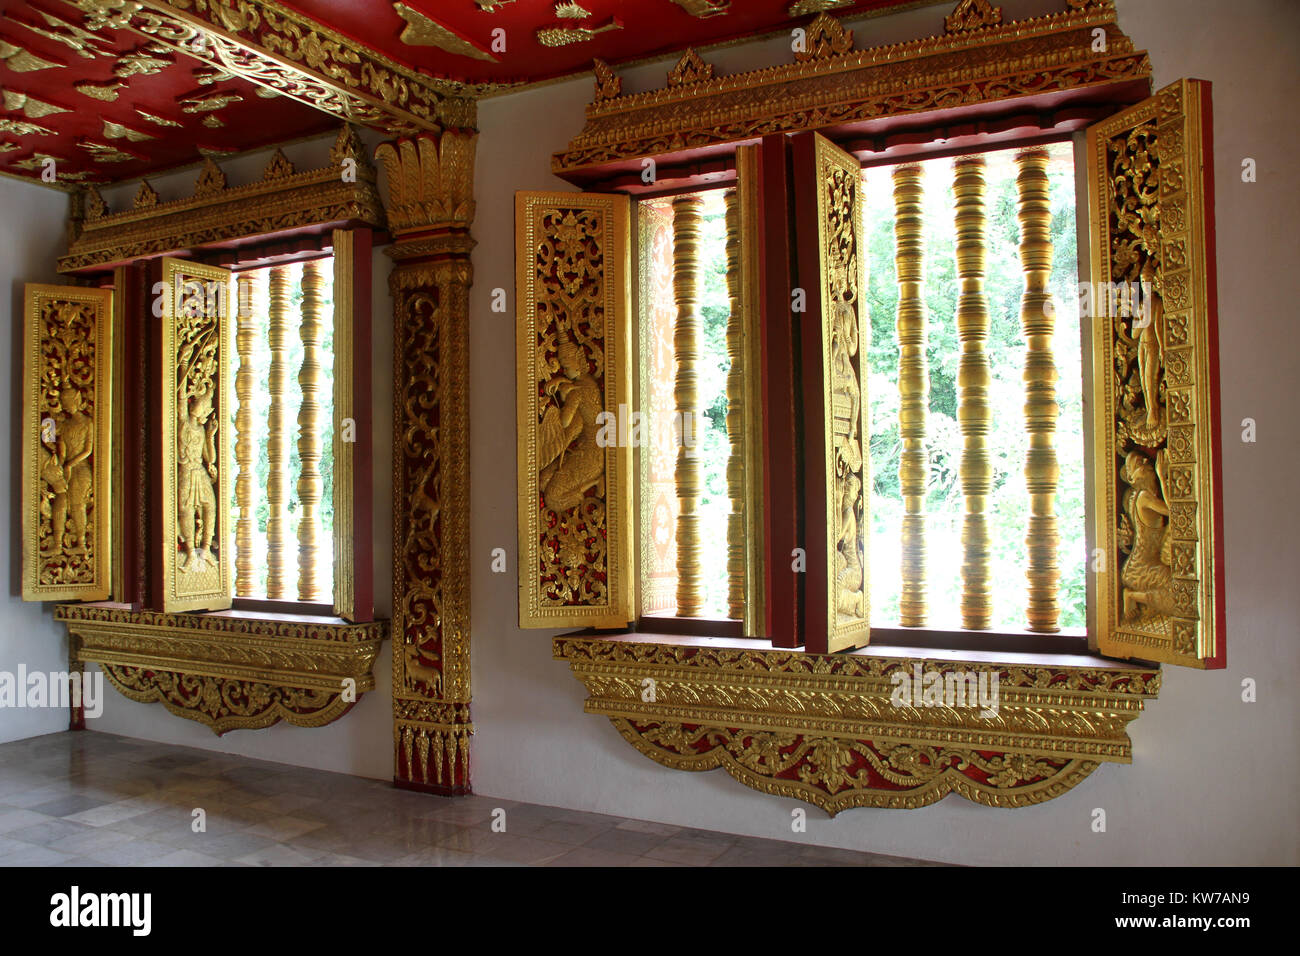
[[1017, 59], [971, 15], [803, 7], [38, 161], [265, 93], [113, 130], [568, 35], [67, 445], [491, 6], [211, 179], [704, 8], [830, 730], [228, 673], [146, 197], [17, 127], [422, 31], [273, 46], [103, 153], [689, 70], [212, 121], [157, 120], [29, 105], [278, 167], [145, 61], [82, 42], [108, 92], [571, 11], [608, 83], [20, 61], [7, 147], [825, 38], [217, 152], [210, 102], [94, 205], [208, 75]]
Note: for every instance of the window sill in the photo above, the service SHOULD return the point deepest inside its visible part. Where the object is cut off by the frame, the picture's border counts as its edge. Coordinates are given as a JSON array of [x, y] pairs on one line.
[[229, 669], [827, 729]]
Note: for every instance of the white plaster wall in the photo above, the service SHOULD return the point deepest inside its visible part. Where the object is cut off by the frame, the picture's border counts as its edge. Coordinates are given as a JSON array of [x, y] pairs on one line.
[[34, 218], [1213, 780]]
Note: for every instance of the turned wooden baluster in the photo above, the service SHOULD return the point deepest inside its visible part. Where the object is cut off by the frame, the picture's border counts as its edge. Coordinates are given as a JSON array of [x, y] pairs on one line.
[[735, 417], [913, 390], [312, 331], [1037, 319], [687, 336], [277, 443], [245, 456], [974, 414]]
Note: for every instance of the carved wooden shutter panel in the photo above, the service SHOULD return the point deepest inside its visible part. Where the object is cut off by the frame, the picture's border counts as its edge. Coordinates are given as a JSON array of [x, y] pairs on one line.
[[1158, 522], [834, 332], [67, 443], [573, 288], [196, 407]]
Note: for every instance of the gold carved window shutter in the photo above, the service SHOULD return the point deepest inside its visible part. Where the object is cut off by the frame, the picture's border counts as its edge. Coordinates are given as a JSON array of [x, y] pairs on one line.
[[834, 331], [1158, 522], [196, 406], [576, 527], [67, 451]]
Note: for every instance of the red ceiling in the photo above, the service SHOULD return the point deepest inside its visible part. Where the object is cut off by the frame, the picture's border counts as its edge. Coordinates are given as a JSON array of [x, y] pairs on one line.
[[47, 60], [649, 28]]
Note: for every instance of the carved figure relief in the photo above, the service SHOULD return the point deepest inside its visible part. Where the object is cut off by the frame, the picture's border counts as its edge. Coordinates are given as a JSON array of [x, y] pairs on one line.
[[65, 489]]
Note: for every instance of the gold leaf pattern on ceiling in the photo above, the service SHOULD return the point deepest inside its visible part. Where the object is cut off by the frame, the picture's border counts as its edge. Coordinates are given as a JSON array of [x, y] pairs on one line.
[[212, 121], [801, 7], [491, 6], [7, 147], [572, 11], [209, 103], [207, 75], [38, 161], [421, 31], [20, 61], [23, 128], [103, 153], [99, 91], [564, 36], [710, 8], [142, 62], [29, 105], [118, 131], [157, 120], [82, 42]]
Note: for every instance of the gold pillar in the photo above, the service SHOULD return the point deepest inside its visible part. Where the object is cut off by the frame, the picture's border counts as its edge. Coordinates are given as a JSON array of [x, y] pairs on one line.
[[735, 417], [686, 342], [913, 390], [974, 415], [309, 442], [245, 335], [1037, 319], [277, 443]]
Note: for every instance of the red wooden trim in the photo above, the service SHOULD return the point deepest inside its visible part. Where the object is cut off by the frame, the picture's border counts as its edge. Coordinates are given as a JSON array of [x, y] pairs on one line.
[[1220, 658], [137, 311], [703, 627], [148, 336], [781, 473], [363, 518], [811, 394]]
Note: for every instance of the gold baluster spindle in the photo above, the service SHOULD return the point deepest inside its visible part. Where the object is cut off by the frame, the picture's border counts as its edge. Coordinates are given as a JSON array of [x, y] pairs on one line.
[[735, 417], [913, 390], [687, 335], [974, 376], [309, 440], [1037, 319], [277, 443], [245, 528]]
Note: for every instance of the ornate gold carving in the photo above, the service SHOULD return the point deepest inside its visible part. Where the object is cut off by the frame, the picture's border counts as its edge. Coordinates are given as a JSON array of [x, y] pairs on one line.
[[209, 102], [277, 441], [211, 180], [704, 8], [970, 15], [573, 365], [148, 60], [1154, 344], [844, 331], [245, 452], [84, 43], [913, 391], [289, 53], [67, 400], [95, 206], [225, 671], [113, 130], [608, 83], [1020, 58], [294, 201], [826, 38], [1037, 321], [421, 31], [278, 167], [429, 180], [20, 60], [196, 564], [146, 197], [825, 728], [568, 35], [29, 105], [312, 331], [974, 378], [688, 333], [690, 69], [569, 10]]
